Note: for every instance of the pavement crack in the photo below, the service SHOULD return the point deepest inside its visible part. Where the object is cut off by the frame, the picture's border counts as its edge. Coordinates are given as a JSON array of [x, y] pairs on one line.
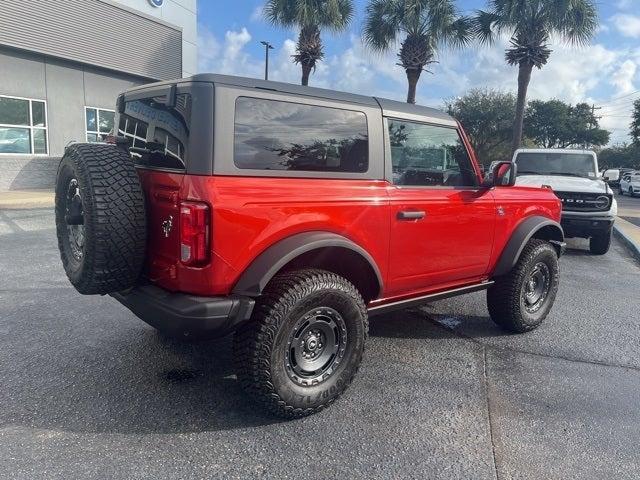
[[485, 378]]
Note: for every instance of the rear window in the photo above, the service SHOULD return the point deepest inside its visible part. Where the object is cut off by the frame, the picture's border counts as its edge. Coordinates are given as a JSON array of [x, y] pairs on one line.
[[158, 134], [276, 135]]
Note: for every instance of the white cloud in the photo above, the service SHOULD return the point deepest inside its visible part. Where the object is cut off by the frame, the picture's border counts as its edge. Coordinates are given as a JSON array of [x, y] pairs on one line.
[[256, 15], [228, 57], [627, 24], [623, 78], [208, 48]]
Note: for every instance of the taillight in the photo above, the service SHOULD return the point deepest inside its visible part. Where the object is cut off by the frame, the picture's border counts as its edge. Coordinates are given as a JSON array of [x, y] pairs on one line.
[[194, 233]]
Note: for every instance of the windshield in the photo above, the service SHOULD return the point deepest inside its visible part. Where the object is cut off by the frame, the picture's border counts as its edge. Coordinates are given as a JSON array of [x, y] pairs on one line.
[[556, 163]]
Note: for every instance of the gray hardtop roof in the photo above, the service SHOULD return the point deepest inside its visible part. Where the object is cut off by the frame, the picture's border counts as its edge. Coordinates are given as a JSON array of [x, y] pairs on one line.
[[390, 108]]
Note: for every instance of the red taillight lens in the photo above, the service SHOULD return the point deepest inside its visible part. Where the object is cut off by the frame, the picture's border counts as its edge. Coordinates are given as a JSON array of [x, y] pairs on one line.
[[194, 233]]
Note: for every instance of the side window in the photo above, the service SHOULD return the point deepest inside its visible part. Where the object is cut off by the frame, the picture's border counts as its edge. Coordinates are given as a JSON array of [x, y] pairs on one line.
[[275, 135], [429, 155]]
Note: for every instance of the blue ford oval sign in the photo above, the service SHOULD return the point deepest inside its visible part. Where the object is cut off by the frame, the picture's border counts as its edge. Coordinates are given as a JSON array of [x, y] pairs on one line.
[[156, 3]]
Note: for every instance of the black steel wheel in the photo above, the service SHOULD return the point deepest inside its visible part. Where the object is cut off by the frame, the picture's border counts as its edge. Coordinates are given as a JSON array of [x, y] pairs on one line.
[[74, 218], [522, 299], [316, 346], [536, 287], [304, 343]]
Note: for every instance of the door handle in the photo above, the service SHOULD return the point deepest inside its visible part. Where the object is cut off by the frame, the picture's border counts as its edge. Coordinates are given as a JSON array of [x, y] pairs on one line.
[[411, 215]]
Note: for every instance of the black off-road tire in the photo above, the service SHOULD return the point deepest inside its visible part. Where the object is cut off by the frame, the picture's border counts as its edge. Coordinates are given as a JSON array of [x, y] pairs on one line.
[[112, 208], [262, 348], [506, 298], [600, 244]]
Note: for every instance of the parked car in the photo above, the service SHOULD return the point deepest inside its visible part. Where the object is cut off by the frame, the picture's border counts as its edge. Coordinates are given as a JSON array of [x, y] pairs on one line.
[[589, 208], [289, 215], [630, 183]]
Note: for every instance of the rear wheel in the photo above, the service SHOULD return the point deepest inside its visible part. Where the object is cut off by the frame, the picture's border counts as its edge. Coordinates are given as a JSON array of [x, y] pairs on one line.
[[521, 300], [304, 344], [631, 191], [600, 244], [100, 218]]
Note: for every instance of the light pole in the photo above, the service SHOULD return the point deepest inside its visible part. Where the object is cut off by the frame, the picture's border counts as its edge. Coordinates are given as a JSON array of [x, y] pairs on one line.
[[267, 47]]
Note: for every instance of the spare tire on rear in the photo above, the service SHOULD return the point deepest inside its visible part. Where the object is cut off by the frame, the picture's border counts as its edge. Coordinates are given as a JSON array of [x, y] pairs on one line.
[[100, 218]]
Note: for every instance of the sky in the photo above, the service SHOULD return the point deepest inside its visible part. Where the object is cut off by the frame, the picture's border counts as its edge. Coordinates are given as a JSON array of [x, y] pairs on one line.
[[605, 73]]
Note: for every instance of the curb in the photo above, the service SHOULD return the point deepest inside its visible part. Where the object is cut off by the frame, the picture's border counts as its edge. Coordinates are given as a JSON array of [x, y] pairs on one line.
[[26, 200], [631, 244]]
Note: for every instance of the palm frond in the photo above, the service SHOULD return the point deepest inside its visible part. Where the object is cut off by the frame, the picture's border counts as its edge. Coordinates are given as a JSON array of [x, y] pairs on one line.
[[580, 22], [383, 21], [459, 33], [486, 26]]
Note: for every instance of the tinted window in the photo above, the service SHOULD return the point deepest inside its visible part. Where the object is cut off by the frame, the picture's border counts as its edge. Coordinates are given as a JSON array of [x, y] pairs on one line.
[[14, 111], [427, 155], [556, 163], [274, 135], [37, 114], [158, 134]]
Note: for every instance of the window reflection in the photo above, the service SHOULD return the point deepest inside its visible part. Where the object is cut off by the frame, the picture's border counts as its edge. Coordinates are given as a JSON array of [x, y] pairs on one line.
[[158, 134], [274, 135], [428, 155]]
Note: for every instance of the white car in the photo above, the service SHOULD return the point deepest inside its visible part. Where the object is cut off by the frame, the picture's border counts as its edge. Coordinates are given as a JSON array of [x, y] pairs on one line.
[[630, 183], [588, 204]]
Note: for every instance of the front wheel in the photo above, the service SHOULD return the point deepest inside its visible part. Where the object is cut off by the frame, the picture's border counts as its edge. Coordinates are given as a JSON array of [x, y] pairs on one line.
[[521, 300], [304, 343], [600, 244]]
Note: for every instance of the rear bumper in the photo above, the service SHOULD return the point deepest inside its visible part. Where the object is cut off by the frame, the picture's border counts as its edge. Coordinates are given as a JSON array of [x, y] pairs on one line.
[[586, 226], [186, 315]]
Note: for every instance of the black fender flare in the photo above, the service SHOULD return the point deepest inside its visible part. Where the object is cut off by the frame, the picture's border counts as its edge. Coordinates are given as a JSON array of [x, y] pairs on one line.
[[266, 265], [522, 234]]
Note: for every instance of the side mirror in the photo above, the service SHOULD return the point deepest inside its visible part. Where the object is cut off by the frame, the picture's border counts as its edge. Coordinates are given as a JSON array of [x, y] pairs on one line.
[[503, 174]]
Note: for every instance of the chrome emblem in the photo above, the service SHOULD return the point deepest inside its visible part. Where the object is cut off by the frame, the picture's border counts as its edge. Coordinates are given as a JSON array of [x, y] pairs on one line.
[[167, 225], [501, 211]]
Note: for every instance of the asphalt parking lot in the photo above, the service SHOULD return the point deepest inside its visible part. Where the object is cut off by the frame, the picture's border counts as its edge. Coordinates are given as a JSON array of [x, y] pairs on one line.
[[88, 391]]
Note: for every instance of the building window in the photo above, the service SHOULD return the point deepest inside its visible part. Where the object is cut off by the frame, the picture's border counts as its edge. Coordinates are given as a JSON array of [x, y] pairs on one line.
[[99, 123], [23, 126]]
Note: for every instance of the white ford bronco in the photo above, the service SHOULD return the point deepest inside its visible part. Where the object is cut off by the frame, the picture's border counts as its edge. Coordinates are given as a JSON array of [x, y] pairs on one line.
[[588, 205]]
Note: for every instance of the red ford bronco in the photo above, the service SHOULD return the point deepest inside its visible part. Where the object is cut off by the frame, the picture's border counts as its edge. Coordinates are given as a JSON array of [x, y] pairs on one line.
[[289, 215]]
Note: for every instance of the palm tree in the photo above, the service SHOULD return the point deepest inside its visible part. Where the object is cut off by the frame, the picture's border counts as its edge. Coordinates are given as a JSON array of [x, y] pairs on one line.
[[309, 16], [531, 25], [426, 25]]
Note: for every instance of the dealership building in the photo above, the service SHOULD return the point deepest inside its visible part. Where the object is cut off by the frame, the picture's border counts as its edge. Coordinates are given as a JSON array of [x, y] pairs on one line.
[[63, 64]]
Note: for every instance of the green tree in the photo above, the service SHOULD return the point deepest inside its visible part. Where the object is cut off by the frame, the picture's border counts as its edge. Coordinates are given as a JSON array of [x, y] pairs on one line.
[[310, 16], [620, 156], [556, 124], [635, 124], [426, 25], [547, 123], [531, 24], [487, 117]]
